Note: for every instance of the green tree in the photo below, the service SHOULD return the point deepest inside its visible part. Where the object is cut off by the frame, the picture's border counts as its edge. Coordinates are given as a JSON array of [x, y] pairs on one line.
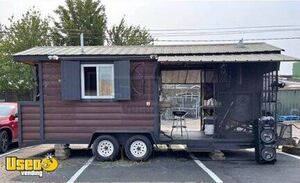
[[29, 31], [1, 31], [123, 34], [86, 16]]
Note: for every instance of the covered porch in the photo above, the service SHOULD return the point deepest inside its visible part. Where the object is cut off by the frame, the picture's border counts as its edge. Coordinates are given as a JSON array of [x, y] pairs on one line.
[[221, 96]]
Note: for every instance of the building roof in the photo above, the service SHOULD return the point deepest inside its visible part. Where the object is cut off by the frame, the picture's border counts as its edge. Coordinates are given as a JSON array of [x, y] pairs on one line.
[[150, 50], [228, 58]]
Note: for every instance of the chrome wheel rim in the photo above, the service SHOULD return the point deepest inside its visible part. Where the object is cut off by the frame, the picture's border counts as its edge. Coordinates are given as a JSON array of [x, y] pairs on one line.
[[105, 148], [138, 148]]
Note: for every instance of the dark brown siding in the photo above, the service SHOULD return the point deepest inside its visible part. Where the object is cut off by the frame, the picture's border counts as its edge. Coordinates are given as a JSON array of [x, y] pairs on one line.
[[30, 116], [77, 120]]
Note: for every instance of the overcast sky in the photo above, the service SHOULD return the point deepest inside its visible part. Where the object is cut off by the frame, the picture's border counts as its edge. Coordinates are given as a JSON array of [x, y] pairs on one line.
[[182, 14]]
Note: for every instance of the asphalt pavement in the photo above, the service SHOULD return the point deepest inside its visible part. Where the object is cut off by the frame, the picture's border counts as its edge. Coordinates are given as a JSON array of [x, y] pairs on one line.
[[174, 165]]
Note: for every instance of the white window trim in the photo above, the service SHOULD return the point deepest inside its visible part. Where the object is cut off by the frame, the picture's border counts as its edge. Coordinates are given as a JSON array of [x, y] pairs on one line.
[[83, 96]]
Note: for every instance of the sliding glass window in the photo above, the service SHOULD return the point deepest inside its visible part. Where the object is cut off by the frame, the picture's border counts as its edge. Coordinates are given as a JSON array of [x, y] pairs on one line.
[[97, 81]]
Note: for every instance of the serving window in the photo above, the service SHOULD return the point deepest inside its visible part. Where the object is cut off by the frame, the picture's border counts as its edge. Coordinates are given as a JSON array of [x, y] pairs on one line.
[[97, 81]]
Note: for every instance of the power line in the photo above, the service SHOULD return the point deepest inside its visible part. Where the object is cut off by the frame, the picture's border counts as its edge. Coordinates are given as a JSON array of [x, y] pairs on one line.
[[195, 29], [89, 35], [226, 40], [207, 40], [185, 34], [224, 28], [200, 29], [196, 34], [188, 34]]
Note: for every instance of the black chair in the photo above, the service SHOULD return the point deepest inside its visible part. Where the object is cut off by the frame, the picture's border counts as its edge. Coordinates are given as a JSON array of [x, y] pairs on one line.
[[179, 121]]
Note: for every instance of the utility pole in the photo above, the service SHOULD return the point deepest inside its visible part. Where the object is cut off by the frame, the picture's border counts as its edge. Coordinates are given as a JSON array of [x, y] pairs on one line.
[[82, 42]]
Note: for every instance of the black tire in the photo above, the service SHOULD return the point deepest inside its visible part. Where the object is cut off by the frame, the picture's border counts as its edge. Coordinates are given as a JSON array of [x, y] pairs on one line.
[[108, 143], [137, 142], [4, 141]]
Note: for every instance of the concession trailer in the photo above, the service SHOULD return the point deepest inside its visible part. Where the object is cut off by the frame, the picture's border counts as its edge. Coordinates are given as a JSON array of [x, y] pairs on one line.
[[206, 97]]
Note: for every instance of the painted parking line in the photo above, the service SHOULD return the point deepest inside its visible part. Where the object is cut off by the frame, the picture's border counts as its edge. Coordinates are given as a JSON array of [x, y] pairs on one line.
[[207, 170], [79, 172], [290, 155], [201, 165], [280, 152], [16, 150]]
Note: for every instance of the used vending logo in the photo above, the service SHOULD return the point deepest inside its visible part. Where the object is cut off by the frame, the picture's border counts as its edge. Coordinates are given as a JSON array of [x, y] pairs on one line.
[[31, 166]]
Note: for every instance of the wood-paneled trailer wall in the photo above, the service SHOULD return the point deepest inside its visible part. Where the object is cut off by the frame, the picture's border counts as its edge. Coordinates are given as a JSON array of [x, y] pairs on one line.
[[29, 126], [75, 121]]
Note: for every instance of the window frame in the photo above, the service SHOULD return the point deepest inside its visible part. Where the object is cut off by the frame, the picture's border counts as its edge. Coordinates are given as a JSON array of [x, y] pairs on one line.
[[98, 66]]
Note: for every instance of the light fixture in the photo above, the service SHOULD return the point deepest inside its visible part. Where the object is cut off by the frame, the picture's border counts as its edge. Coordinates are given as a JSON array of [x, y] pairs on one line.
[[53, 57]]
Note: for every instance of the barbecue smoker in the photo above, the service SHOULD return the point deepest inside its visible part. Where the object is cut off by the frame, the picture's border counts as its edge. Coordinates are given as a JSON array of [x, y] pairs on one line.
[[207, 97]]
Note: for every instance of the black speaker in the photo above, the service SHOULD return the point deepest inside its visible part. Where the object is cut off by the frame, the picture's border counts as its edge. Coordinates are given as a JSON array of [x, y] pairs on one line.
[[265, 140]]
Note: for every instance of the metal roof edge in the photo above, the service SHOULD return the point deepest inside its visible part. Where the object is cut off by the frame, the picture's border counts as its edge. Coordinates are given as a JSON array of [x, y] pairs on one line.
[[273, 46], [294, 58], [36, 58], [168, 45], [265, 47]]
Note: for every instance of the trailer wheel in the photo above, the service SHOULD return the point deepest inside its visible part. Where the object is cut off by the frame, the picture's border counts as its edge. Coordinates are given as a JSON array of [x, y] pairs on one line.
[[105, 148], [4, 141], [138, 148]]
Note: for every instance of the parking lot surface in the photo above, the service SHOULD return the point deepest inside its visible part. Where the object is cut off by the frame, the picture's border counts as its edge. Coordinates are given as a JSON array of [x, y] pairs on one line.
[[165, 165]]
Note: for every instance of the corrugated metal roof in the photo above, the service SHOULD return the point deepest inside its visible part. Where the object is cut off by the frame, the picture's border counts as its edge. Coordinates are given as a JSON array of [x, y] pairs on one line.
[[150, 49], [228, 58]]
